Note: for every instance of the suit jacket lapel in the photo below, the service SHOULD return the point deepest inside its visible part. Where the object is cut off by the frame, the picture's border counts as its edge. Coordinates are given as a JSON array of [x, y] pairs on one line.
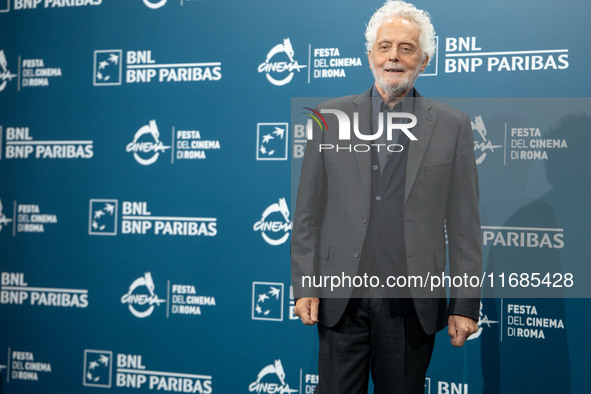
[[363, 108], [417, 149]]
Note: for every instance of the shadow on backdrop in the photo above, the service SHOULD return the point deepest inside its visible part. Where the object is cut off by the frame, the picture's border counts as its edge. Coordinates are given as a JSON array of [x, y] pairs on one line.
[[525, 363]]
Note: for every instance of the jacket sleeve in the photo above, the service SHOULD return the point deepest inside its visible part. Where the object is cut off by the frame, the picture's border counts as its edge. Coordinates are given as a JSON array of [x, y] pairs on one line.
[[463, 225], [309, 212]]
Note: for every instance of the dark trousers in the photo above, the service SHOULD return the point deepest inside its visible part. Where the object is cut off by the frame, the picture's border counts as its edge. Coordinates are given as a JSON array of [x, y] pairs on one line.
[[370, 336]]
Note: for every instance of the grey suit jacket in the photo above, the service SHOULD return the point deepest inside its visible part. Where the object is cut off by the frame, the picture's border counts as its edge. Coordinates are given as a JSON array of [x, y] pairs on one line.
[[441, 192]]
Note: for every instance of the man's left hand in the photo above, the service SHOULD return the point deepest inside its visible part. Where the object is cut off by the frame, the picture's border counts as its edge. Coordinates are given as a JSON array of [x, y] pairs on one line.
[[460, 328]]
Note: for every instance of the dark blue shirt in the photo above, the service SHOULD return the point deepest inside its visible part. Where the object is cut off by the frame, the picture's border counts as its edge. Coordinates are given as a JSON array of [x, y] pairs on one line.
[[384, 251]]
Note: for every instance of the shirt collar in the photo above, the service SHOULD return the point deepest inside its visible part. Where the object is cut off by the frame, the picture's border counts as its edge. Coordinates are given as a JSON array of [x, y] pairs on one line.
[[376, 101]]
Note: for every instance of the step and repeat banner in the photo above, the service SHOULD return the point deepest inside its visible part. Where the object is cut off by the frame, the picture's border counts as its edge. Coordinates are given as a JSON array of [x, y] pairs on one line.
[[146, 199]]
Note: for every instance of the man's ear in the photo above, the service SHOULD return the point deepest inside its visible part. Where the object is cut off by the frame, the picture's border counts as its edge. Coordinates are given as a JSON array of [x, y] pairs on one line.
[[369, 60], [424, 64]]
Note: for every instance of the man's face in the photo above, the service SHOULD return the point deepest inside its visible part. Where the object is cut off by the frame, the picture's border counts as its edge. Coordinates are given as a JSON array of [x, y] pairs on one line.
[[396, 56]]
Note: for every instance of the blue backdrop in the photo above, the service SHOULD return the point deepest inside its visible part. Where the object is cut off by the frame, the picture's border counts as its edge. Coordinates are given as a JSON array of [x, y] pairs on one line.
[[146, 154]]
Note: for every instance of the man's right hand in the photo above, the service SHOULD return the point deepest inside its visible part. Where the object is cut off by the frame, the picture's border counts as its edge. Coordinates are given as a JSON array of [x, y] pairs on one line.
[[307, 310]]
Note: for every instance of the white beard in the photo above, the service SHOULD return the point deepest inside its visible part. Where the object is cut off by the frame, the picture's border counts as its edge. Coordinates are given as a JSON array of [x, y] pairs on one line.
[[395, 91]]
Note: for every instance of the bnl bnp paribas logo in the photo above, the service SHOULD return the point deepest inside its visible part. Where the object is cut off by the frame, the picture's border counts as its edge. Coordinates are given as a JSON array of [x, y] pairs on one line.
[[280, 65], [105, 369], [34, 4], [137, 220], [103, 217], [272, 141], [98, 368], [113, 67], [267, 301], [464, 55], [107, 67], [275, 224]]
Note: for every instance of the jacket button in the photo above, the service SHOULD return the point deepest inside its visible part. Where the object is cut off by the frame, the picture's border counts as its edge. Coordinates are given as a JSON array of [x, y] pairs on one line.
[[364, 220], [356, 254]]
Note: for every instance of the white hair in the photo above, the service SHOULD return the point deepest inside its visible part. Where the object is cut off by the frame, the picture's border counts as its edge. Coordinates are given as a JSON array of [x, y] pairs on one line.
[[420, 18]]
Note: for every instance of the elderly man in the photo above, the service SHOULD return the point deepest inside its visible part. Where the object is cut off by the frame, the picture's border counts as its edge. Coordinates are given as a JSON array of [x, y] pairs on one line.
[[385, 211]]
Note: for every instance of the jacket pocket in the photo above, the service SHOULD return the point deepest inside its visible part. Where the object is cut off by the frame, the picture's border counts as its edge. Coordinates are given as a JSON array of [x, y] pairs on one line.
[[437, 168]]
